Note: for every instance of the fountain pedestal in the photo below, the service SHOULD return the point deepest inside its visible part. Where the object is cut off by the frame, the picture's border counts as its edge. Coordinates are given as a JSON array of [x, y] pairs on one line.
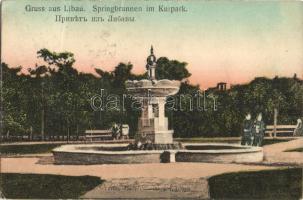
[[153, 125], [152, 93]]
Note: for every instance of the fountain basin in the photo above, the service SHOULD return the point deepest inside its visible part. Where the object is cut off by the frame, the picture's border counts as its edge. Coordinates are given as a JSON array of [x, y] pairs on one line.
[[155, 88], [219, 153], [87, 154], [90, 154]]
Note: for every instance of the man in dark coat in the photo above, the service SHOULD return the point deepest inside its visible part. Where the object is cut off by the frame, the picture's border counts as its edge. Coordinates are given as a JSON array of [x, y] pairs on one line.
[[258, 131], [247, 131]]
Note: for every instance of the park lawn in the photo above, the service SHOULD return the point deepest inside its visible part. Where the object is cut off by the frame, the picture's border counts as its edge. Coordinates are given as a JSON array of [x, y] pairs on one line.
[[270, 141], [44, 186], [232, 140], [266, 184], [27, 148], [295, 150]]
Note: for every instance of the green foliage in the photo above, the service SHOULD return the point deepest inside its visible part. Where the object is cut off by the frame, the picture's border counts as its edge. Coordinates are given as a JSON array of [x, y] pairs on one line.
[[43, 186], [171, 69], [54, 99], [57, 59], [295, 150], [262, 95], [27, 149], [15, 120]]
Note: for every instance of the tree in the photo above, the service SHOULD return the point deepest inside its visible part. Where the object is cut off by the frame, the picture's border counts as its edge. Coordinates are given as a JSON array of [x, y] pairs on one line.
[[64, 81], [54, 98], [171, 69], [15, 117]]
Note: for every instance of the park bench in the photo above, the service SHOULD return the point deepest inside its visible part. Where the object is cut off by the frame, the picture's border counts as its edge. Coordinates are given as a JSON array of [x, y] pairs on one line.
[[91, 135], [285, 130]]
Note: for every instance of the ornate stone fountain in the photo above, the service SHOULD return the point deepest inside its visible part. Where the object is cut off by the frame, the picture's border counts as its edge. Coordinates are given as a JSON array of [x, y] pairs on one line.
[[154, 136], [152, 93]]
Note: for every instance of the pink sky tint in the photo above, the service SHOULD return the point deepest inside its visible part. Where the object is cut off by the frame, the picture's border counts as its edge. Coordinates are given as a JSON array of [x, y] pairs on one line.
[[231, 42]]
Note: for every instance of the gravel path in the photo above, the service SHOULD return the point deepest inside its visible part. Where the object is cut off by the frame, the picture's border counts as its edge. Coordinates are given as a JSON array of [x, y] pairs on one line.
[[275, 153], [152, 188], [158, 170]]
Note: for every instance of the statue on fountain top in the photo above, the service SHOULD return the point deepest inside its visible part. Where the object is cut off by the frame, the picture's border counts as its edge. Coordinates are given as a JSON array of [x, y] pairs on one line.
[[151, 65]]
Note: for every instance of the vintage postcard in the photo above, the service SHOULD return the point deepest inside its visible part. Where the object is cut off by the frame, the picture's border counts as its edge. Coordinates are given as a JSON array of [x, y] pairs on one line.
[[151, 99]]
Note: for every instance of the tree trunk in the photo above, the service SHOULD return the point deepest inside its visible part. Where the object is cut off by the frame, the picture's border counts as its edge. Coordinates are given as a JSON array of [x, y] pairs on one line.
[[42, 112], [31, 133], [42, 124], [275, 122], [77, 131], [67, 132]]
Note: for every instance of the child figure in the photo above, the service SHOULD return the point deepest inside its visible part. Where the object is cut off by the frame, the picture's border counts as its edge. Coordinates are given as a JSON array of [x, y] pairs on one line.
[[247, 137], [258, 131], [115, 131]]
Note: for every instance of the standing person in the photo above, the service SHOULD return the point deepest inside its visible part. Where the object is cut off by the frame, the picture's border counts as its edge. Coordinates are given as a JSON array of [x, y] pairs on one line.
[[115, 131], [258, 131], [299, 129], [247, 131]]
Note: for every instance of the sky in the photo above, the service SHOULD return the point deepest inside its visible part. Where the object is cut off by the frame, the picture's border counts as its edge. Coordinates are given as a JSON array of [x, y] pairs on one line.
[[229, 41]]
